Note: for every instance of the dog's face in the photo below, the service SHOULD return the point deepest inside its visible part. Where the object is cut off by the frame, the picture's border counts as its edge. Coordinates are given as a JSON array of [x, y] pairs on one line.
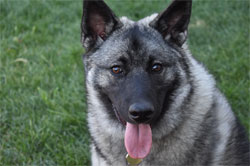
[[136, 68]]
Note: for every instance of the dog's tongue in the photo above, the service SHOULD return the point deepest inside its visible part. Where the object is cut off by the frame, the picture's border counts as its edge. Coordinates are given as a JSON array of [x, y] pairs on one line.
[[138, 140]]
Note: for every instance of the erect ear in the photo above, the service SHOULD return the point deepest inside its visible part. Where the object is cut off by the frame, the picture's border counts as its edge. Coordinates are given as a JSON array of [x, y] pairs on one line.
[[98, 22], [173, 22]]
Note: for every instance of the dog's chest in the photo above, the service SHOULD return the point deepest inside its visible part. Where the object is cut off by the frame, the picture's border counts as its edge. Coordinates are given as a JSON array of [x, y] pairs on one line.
[[115, 154]]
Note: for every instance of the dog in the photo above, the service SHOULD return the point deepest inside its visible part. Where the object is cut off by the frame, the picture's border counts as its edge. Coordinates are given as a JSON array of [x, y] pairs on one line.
[[149, 97]]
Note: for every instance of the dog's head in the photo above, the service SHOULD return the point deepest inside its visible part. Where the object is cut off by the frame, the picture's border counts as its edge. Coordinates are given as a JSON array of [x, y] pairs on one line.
[[135, 68]]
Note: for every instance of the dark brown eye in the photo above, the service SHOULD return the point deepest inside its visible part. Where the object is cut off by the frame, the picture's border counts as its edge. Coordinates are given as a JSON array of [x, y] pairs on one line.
[[156, 67], [116, 70]]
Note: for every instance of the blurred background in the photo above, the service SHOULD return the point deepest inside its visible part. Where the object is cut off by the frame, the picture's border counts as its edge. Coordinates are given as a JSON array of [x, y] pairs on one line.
[[42, 92]]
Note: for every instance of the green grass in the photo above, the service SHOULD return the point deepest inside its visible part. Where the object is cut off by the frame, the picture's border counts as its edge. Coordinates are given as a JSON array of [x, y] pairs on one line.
[[42, 103]]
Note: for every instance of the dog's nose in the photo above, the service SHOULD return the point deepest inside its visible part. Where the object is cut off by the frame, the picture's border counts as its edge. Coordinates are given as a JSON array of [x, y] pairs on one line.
[[141, 112]]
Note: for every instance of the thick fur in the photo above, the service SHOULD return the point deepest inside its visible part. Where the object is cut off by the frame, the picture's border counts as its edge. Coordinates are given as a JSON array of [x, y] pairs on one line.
[[195, 124]]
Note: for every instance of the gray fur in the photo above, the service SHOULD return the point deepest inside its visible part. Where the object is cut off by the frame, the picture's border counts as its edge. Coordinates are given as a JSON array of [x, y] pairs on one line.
[[198, 127]]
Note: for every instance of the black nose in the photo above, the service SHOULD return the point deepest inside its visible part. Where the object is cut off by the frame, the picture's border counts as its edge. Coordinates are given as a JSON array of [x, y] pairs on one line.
[[141, 112]]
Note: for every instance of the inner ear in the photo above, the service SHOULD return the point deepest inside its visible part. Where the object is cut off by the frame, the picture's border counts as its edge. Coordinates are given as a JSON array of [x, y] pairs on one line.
[[98, 22], [177, 17], [173, 22], [99, 17], [97, 25]]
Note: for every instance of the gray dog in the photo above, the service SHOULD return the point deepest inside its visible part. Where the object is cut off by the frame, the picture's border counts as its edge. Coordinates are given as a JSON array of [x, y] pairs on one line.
[[149, 98]]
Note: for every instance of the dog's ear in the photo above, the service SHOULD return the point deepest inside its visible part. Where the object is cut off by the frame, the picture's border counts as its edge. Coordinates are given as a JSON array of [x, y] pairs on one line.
[[173, 22], [98, 22]]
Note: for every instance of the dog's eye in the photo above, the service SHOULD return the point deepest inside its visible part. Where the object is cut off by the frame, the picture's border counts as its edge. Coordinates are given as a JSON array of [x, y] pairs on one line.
[[156, 67], [116, 70]]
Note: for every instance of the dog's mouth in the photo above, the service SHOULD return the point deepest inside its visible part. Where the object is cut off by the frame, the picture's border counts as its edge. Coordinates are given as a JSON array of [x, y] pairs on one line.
[[138, 137], [118, 116]]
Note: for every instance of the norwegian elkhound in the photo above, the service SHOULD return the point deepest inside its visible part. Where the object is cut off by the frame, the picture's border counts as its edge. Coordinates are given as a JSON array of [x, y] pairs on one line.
[[149, 97]]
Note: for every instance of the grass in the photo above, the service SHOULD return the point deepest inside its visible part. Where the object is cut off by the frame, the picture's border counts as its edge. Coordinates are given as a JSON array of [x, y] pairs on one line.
[[42, 103]]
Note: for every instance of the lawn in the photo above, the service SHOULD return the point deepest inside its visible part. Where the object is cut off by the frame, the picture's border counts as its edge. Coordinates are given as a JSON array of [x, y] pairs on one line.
[[42, 94]]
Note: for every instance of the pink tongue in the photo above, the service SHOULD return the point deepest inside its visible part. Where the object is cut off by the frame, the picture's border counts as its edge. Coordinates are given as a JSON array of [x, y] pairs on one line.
[[138, 140]]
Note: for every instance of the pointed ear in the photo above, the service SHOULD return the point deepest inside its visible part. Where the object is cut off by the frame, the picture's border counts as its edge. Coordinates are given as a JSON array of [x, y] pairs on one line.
[[173, 22], [98, 22]]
